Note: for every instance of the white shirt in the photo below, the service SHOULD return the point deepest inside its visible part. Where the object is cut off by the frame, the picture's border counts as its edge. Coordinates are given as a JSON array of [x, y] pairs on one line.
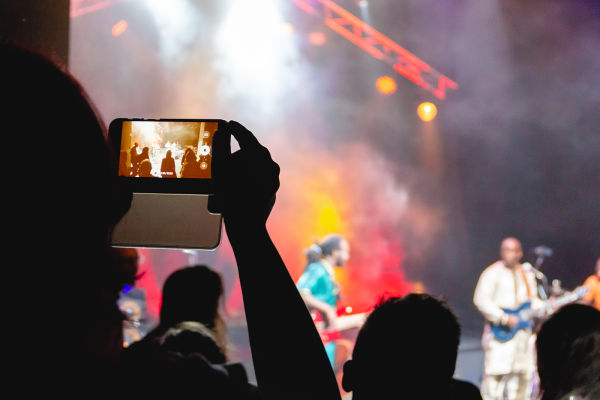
[[502, 287]]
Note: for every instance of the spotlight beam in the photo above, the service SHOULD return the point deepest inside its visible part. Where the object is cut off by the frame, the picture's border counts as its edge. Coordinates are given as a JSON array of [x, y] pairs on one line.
[[379, 46]]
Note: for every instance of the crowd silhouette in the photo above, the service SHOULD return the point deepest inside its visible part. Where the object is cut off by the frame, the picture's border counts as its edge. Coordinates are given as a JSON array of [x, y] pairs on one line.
[[406, 349], [568, 354], [167, 166], [190, 294], [140, 165]]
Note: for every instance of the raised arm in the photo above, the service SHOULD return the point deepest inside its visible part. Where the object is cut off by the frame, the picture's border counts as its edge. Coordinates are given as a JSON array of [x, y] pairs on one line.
[[289, 359]]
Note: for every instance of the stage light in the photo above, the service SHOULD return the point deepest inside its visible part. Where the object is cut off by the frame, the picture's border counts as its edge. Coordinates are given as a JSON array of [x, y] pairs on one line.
[[386, 85], [317, 38], [427, 111], [361, 33], [119, 28]]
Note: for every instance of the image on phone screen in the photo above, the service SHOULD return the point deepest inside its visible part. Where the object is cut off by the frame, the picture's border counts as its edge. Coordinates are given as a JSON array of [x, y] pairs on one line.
[[166, 149]]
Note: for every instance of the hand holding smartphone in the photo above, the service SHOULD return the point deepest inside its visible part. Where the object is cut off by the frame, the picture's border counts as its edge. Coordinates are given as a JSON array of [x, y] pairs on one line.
[[167, 164]]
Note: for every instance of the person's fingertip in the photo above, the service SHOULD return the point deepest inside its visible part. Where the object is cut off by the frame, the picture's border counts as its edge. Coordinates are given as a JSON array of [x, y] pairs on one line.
[[243, 135]]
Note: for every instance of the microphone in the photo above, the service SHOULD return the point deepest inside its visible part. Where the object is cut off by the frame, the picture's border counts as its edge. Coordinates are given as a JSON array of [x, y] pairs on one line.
[[543, 251]]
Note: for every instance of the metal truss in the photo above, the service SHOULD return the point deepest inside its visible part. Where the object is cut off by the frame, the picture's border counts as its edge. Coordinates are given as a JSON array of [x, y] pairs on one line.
[[379, 46], [82, 7]]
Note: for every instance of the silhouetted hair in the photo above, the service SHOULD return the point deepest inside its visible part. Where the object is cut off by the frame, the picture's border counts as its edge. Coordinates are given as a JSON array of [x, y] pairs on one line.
[[568, 353], [407, 342], [330, 243], [313, 254], [145, 168], [48, 107], [193, 337], [191, 294], [188, 155], [70, 197]]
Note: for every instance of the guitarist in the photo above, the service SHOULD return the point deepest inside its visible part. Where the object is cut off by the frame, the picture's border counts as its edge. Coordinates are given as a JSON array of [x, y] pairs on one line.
[[509, 366], [317, 284]]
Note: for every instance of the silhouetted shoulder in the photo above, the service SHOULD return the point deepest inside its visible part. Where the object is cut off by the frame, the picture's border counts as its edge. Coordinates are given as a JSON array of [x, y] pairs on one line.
[[463, 390]]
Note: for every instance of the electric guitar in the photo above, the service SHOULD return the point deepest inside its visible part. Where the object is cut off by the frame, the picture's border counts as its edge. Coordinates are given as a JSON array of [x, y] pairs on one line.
[[342, 323], [526, 315]]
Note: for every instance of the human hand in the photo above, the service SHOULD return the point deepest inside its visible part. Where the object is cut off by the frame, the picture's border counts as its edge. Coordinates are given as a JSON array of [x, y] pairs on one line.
[[512, 320], [331, 315], [244, 182]]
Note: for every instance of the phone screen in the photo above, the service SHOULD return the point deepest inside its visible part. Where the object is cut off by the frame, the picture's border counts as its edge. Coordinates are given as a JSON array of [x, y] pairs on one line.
[[166, 149]]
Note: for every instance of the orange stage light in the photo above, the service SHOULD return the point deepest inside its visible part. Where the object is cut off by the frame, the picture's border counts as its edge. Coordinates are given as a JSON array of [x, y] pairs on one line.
[[119, 28], [317, 38], [386, 85], [427, 111]]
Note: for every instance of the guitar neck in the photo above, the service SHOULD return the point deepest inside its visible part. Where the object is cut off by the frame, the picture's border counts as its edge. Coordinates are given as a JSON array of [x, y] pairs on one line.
[[570, 297], [566, 299], [350, 321]]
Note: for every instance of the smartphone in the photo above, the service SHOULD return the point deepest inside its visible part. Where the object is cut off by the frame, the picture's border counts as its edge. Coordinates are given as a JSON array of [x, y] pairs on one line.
[[166, 163]]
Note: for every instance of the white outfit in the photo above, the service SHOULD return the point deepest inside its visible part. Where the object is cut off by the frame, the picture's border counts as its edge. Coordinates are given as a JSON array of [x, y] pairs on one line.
[[509, 368]]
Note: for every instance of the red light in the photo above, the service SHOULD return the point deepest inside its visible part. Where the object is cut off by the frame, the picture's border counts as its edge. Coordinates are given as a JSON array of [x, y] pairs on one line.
[[386, 85], [317, 38], [119, 28]]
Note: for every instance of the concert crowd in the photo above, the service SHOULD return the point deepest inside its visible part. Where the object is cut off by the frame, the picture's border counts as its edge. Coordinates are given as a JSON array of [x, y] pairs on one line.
[[406, 347]]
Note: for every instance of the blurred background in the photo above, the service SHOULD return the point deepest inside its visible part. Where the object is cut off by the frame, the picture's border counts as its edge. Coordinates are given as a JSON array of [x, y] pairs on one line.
[[332, 89]]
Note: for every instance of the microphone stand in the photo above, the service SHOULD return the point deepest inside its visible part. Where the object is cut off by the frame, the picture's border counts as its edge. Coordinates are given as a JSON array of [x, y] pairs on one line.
[[541, 279]]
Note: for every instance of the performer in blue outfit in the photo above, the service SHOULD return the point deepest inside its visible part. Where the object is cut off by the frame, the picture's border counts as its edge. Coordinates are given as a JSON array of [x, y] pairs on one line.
[[318, 286]]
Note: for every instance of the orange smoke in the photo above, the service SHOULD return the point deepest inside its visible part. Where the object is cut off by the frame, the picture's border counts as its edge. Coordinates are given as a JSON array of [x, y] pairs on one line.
[[352, 192]]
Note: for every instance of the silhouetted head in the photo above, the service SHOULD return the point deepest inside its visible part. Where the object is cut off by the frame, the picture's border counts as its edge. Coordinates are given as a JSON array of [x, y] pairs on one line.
[[48, 110], [335, 248], [191, 294], [568, 353], [407, 348], [146, 168], [193, 337], [168, 154], [64, 204], [511, 252], [189, 155]]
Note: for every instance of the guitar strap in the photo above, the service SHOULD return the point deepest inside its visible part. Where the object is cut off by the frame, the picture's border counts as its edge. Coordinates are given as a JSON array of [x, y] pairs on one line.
[[526, 283]]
